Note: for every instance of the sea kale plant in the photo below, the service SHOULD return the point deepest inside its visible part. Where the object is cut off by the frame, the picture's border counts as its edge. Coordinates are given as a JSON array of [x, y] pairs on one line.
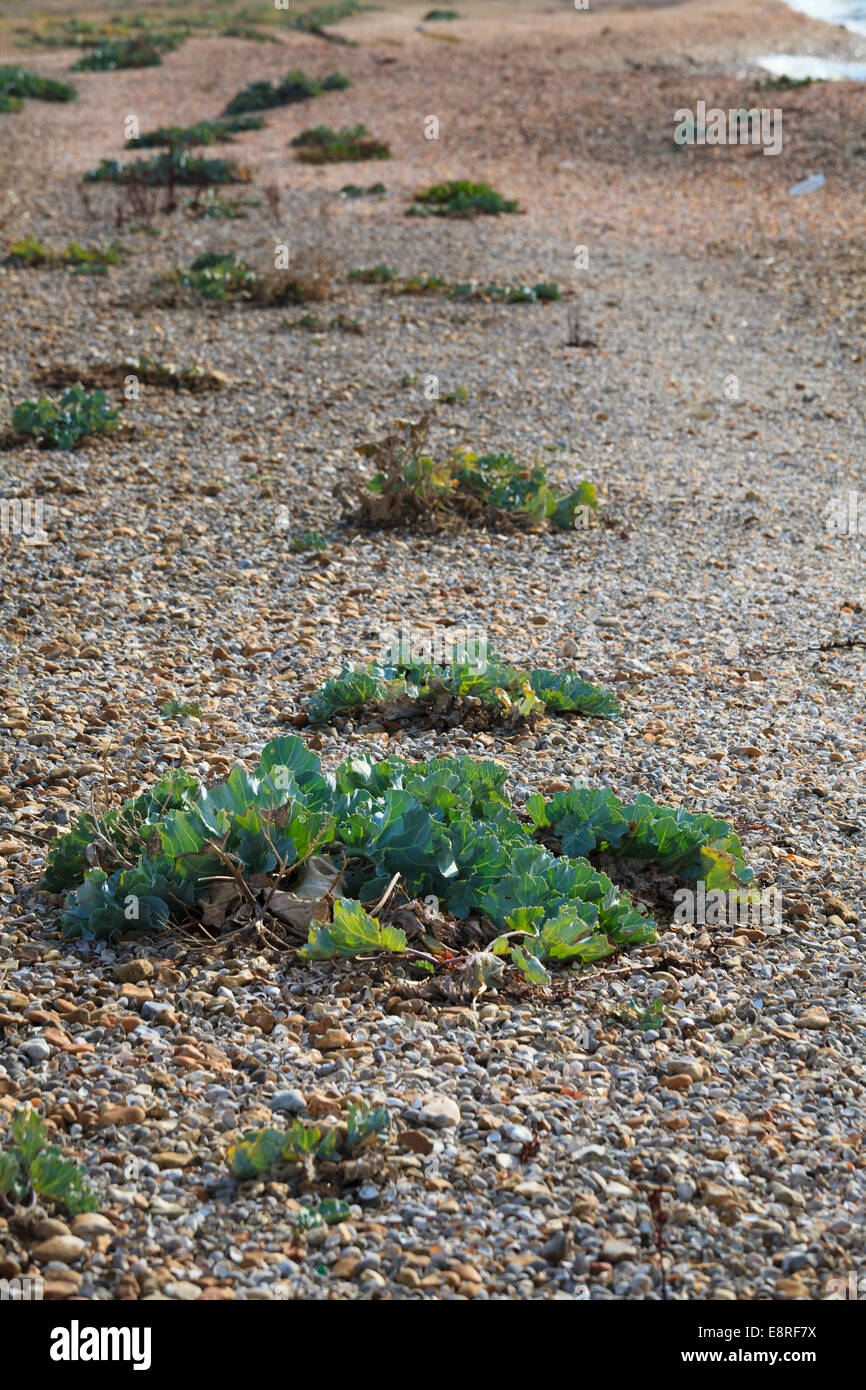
[[411, 487], [219, 276], [17, 83], [355, 190], [325, 146], [176, 167], [309, 541], [30, 252], [453, 693], [294, 87], [259, 1150], [209, 204], [373, 274], [349, 860], [140, 51], [62, 423], [313, 21], [174, 137], [31, 1168], [459, 198], [246, 31], [90, 260], [540, 293], [180, 709]]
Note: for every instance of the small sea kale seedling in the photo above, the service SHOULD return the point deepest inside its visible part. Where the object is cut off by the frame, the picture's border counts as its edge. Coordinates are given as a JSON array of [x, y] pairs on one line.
[[313, 21], [541, 293], [644, 1017], [459, 198], [246, 31], [425, 284], [354, 190], [178, 709], [30, 1169], [309, 540], [259, 1149], [28, 252], [216, 276], [62, 423], [326, 1213], [87, 259], [325, 146], [373, 274], [209, 204], [652, 1017], [141, 51], [90, 260], [784, 83]]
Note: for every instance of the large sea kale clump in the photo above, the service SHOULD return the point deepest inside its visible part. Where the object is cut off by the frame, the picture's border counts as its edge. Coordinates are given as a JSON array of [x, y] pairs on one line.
[[317, 849]]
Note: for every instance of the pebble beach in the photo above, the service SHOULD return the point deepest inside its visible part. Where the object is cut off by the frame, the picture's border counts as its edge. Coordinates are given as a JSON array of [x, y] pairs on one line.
[[717, 407]]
